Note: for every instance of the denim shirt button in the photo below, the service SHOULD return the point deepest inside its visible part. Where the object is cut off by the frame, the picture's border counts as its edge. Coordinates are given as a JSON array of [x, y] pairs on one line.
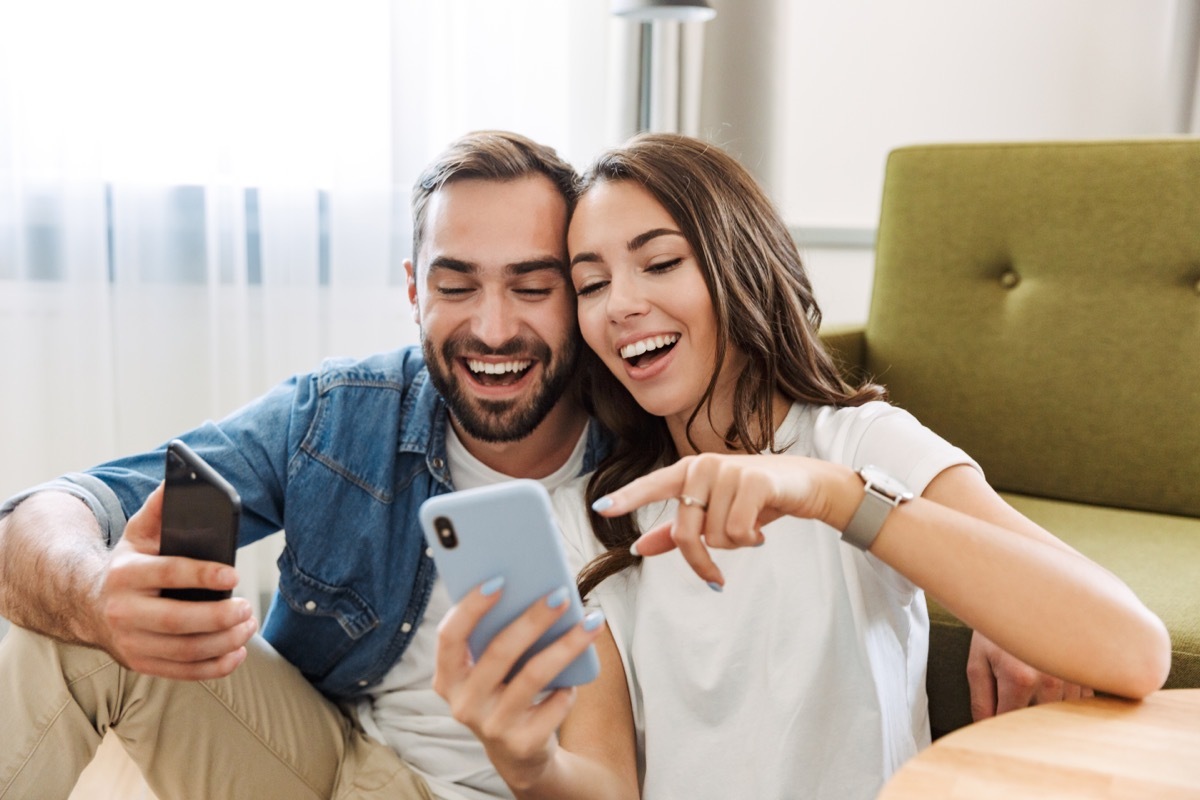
[[406, 627], [363, 683], [429, 552], [311, 605], [437, 462]]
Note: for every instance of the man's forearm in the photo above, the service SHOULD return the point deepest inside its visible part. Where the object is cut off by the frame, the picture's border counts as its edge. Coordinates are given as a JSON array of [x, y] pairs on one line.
[[52, 557]]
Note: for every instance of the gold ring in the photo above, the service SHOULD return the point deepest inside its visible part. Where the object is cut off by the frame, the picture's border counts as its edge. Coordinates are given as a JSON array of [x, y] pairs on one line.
[[689, 501]]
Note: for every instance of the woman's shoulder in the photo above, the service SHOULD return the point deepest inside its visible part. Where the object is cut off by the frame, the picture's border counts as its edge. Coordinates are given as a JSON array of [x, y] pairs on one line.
[[885, 435], [824, 431]]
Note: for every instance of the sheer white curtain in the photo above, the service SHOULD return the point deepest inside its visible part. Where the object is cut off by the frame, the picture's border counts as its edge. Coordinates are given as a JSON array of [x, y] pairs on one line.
[[198, 199]]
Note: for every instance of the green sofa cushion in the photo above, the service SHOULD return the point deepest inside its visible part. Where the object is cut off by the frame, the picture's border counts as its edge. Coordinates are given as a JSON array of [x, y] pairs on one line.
[[1157, 555], [1038, 304]]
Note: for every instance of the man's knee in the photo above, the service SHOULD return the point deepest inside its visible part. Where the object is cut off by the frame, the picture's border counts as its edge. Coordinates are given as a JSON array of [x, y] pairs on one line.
[[26, 653]]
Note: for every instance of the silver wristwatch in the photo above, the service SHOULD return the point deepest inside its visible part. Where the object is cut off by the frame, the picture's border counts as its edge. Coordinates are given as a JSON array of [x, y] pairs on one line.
[[881, 494]]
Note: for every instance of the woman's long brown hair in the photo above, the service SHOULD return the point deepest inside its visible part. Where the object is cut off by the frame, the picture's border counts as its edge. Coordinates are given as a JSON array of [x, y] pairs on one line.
[[764, 307]]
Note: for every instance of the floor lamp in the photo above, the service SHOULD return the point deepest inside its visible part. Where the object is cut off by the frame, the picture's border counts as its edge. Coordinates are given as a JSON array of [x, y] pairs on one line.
[[669, 61]]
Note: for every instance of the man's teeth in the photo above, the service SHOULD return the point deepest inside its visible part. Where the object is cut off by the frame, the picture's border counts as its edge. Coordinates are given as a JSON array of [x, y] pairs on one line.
[[653, 343], [489, 368]]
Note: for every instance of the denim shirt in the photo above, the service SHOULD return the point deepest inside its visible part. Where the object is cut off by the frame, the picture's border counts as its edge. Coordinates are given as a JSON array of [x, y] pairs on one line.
[[340, 459]]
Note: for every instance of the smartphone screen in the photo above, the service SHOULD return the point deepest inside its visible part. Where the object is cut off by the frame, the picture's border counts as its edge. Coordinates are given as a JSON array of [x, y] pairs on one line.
[[506, 529], [201, 511]]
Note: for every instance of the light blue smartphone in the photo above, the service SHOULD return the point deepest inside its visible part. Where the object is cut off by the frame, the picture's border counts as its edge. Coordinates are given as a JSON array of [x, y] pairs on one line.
[[506, 529]]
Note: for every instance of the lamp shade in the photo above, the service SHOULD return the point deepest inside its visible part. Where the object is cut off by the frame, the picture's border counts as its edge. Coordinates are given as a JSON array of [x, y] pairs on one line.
[[649, 10]]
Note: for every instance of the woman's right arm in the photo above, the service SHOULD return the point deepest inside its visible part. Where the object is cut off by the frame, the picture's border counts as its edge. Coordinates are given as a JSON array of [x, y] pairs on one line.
[[573, 743]]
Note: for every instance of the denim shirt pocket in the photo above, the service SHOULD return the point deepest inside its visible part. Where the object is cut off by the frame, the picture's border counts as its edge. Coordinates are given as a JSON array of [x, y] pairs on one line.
[[321, 622]]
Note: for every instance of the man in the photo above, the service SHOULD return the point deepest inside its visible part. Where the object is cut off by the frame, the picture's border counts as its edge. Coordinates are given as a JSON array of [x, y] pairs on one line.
[[340, 459], [334, 699]]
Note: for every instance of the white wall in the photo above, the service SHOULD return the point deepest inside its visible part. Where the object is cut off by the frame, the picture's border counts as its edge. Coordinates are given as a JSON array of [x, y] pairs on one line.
[[813, 95]]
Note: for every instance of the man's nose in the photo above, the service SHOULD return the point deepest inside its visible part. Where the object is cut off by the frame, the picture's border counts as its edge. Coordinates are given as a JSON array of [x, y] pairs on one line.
[[495, 322]]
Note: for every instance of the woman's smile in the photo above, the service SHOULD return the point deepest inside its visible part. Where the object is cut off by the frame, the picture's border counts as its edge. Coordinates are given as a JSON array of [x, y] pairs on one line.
[[643, 303]]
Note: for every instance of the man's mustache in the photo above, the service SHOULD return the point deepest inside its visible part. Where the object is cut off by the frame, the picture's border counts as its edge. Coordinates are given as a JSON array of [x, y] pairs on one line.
[[513, 347]]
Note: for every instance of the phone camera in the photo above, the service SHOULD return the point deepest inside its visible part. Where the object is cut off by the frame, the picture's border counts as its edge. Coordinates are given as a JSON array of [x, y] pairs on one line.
[[445, 532]]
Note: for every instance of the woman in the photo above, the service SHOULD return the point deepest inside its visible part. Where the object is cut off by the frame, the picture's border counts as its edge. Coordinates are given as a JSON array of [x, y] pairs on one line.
[[762, 579]]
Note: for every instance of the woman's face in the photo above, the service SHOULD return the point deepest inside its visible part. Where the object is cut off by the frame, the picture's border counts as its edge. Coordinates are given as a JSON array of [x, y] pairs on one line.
[[643, 304]]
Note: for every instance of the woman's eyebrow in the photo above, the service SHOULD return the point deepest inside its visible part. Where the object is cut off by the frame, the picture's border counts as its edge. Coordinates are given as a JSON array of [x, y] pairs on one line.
[[587, 256], [639, 241], [636, 243]]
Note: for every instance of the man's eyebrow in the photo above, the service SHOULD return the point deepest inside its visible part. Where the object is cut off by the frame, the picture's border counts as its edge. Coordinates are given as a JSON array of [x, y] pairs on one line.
[[516, 268], [536, 265], [453, 265], [636, 243]]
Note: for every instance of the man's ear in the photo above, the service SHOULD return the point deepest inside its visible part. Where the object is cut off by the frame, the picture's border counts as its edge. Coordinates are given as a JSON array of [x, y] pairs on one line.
[[410, 279]]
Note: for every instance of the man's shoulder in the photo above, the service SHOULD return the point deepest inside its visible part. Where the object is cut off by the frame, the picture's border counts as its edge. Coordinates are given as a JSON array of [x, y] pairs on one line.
[[393, 369]]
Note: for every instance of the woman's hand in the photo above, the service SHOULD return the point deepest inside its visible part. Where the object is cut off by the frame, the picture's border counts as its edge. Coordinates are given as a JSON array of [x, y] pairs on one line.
[[516, 727], [725, 500]]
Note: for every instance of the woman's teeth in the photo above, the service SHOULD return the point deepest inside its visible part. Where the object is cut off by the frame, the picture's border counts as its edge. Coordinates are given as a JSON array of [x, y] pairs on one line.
[[652, 343]]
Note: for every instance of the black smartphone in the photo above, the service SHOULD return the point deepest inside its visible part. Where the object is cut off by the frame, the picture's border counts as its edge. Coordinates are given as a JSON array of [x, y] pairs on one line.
[[200, 516]]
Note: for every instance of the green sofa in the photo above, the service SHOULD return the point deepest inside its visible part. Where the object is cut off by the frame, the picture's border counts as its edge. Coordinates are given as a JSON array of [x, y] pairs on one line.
[[1038, 304]]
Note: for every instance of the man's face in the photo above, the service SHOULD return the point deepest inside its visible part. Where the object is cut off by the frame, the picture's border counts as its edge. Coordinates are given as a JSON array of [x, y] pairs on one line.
[[496, 310]]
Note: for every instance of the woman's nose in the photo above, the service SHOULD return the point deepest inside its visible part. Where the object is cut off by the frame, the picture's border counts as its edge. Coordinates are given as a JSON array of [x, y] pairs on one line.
[[624, 299]]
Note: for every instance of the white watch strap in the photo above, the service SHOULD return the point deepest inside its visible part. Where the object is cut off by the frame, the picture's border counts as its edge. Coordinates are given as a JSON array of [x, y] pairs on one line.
[[867, 520]]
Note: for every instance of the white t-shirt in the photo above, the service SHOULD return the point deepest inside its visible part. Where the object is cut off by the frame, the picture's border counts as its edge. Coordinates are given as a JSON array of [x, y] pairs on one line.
[[404, 712], [805, 677]]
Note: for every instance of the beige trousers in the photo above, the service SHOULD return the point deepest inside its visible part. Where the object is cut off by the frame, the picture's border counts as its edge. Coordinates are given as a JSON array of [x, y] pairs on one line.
[[263, 732]]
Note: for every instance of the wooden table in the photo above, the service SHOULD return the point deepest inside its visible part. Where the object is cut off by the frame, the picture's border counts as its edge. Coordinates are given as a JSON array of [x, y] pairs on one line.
[[1095, 748]]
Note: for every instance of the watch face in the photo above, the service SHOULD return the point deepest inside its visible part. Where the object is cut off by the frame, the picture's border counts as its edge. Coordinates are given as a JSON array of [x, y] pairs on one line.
[[884, 483]]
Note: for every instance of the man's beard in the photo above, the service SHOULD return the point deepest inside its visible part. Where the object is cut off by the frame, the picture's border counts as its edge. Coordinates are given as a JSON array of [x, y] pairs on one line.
[[500, 420]]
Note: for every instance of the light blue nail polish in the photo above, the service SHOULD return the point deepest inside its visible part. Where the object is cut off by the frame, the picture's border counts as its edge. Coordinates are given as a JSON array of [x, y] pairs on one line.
[[760, 544], [633, 550], [492, 586], [593, 620], [557, 597], [716, 587], [603, 504]]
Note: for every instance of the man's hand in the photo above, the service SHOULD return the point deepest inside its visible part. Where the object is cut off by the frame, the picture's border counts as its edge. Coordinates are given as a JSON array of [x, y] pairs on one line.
[[1000, 682], [158, 636]]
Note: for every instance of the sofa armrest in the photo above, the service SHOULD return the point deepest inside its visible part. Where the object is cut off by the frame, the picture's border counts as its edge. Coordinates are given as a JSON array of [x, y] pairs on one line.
[[848, 346]]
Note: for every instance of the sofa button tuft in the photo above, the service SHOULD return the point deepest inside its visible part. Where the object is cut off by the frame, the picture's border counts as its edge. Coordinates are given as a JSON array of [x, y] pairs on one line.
[[1009, 279]]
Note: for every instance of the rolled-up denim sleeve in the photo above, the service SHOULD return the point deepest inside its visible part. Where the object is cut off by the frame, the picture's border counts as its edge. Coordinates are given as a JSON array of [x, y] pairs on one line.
[[103, 502]]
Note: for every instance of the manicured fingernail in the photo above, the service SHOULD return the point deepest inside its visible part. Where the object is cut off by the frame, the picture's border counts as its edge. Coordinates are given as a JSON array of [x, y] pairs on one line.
[[492, 586], [227, 576], [557, 597], [760, 544], [593, 620], [633, 551], [716, 587], [603, 504]]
